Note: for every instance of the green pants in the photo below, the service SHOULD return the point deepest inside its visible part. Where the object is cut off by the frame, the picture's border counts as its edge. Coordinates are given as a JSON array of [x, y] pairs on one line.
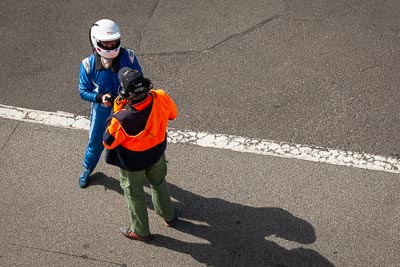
[[132, 183]]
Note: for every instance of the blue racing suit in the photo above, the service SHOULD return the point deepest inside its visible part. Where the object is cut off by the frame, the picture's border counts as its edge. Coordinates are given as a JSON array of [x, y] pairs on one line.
[[94, 81]]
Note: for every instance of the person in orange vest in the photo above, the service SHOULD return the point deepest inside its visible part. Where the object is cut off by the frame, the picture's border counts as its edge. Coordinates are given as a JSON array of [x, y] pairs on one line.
[[135, 140]]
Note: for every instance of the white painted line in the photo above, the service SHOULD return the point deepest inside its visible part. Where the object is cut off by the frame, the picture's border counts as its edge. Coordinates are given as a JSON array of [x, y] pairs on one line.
[[223, 141]]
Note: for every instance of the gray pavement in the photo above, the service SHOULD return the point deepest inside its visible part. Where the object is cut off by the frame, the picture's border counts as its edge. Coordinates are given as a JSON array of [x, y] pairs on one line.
[[317, 72], [237, 209]]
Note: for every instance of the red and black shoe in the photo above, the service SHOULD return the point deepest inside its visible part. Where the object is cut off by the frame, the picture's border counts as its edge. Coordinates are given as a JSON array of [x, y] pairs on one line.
[[126, 231], [171, 223]]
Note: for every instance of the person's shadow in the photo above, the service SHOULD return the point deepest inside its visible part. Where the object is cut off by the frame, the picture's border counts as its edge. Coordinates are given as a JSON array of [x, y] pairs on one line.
[[109, 183], [233, 234], [237, 235]]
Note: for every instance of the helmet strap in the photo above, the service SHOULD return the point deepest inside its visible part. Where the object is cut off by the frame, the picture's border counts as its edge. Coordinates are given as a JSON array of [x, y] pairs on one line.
[[99, 65]]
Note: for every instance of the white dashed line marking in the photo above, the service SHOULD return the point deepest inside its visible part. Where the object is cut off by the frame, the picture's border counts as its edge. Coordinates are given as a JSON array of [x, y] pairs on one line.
[[223, 141]]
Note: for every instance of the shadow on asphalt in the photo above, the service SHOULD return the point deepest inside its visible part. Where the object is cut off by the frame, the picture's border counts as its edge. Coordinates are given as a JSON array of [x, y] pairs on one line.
[[233, 234], [109, 183], [237, 235]]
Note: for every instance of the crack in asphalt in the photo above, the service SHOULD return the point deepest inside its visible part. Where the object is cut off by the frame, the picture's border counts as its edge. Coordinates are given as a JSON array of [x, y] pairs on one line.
[[147, 21], [9, 136], [216, 45], [83, 256]]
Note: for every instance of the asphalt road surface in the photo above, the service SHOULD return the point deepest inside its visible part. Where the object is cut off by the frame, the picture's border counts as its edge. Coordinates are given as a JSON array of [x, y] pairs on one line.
[[316, 73]]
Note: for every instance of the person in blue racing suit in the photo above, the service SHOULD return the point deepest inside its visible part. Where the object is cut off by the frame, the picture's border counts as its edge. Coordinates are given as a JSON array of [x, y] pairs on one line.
[[98, 84]]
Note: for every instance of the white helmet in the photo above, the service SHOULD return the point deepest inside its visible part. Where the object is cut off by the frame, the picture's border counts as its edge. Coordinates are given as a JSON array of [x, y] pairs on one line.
[[102, 31]]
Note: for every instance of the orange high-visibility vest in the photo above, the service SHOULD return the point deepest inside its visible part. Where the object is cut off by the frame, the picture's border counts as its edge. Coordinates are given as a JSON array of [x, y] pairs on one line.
[[154, 133]]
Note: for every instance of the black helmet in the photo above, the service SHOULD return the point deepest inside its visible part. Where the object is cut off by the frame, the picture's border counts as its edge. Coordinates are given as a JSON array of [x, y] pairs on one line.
[[132, 84]]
